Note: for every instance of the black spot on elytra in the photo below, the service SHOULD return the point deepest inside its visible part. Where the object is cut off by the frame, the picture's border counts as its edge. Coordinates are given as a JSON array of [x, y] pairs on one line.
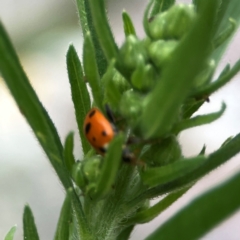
[[104, 133], [92, 113], [94, 139], [87, 128], [102, 150]]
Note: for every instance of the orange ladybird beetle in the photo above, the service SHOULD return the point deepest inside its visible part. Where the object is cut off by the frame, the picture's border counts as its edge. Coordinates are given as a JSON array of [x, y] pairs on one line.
[[98, 130]]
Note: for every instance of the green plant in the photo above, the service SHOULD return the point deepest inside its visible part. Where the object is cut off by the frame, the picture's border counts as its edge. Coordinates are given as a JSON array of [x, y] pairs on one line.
[[153, 86]]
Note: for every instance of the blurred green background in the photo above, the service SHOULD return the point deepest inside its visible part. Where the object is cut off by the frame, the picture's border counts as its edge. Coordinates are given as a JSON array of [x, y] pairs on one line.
[[41, 32]]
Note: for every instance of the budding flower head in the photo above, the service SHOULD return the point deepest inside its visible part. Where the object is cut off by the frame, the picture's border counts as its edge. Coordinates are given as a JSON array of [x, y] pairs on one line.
[[173, 23]]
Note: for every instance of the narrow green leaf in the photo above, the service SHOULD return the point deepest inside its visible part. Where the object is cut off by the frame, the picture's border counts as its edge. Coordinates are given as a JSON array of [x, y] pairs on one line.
[[80, 95], [91, 71], [202, 214], [220, 82], [227, 10], [162, 175], [125, 234], [62, 231], [225, 70], [10, 234], [225, 34], [87, 26], [198, 120], [83, 13], [68, 151], [152, 212], [79, 218], [177, 78], [31, 107], [221, 11], [191, 106], [213, 161], [127, 24], [227, 141], [29, 227], [146, 17], [202, 152], [161, 6], [103, 30], [110, 167]]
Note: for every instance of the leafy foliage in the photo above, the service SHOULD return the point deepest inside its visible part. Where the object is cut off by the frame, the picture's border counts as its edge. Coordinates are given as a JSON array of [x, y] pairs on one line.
[[224, 197], [31, 107], [149, 89]]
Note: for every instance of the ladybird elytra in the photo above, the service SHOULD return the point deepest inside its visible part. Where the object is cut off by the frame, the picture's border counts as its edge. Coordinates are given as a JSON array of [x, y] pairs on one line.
[[98, 130]]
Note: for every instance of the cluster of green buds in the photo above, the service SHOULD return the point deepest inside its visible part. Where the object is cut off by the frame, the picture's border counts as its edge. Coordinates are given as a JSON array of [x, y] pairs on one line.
[[142, 79], [85, 173], [144, 60]]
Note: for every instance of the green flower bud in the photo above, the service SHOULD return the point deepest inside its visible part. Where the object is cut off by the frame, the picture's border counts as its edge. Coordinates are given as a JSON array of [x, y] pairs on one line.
[[114, 85], [86, 172], [146, 42], [120, 82], [131, 106], [132, 53], [91, 168], [163, 152], [160, 52], [174, 23], [143, 78], [78, 176]]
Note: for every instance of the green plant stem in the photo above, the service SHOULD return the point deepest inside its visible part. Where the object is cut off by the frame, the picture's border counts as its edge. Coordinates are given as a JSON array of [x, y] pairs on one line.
[[80, 221], [112, 210], [62, 232]]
